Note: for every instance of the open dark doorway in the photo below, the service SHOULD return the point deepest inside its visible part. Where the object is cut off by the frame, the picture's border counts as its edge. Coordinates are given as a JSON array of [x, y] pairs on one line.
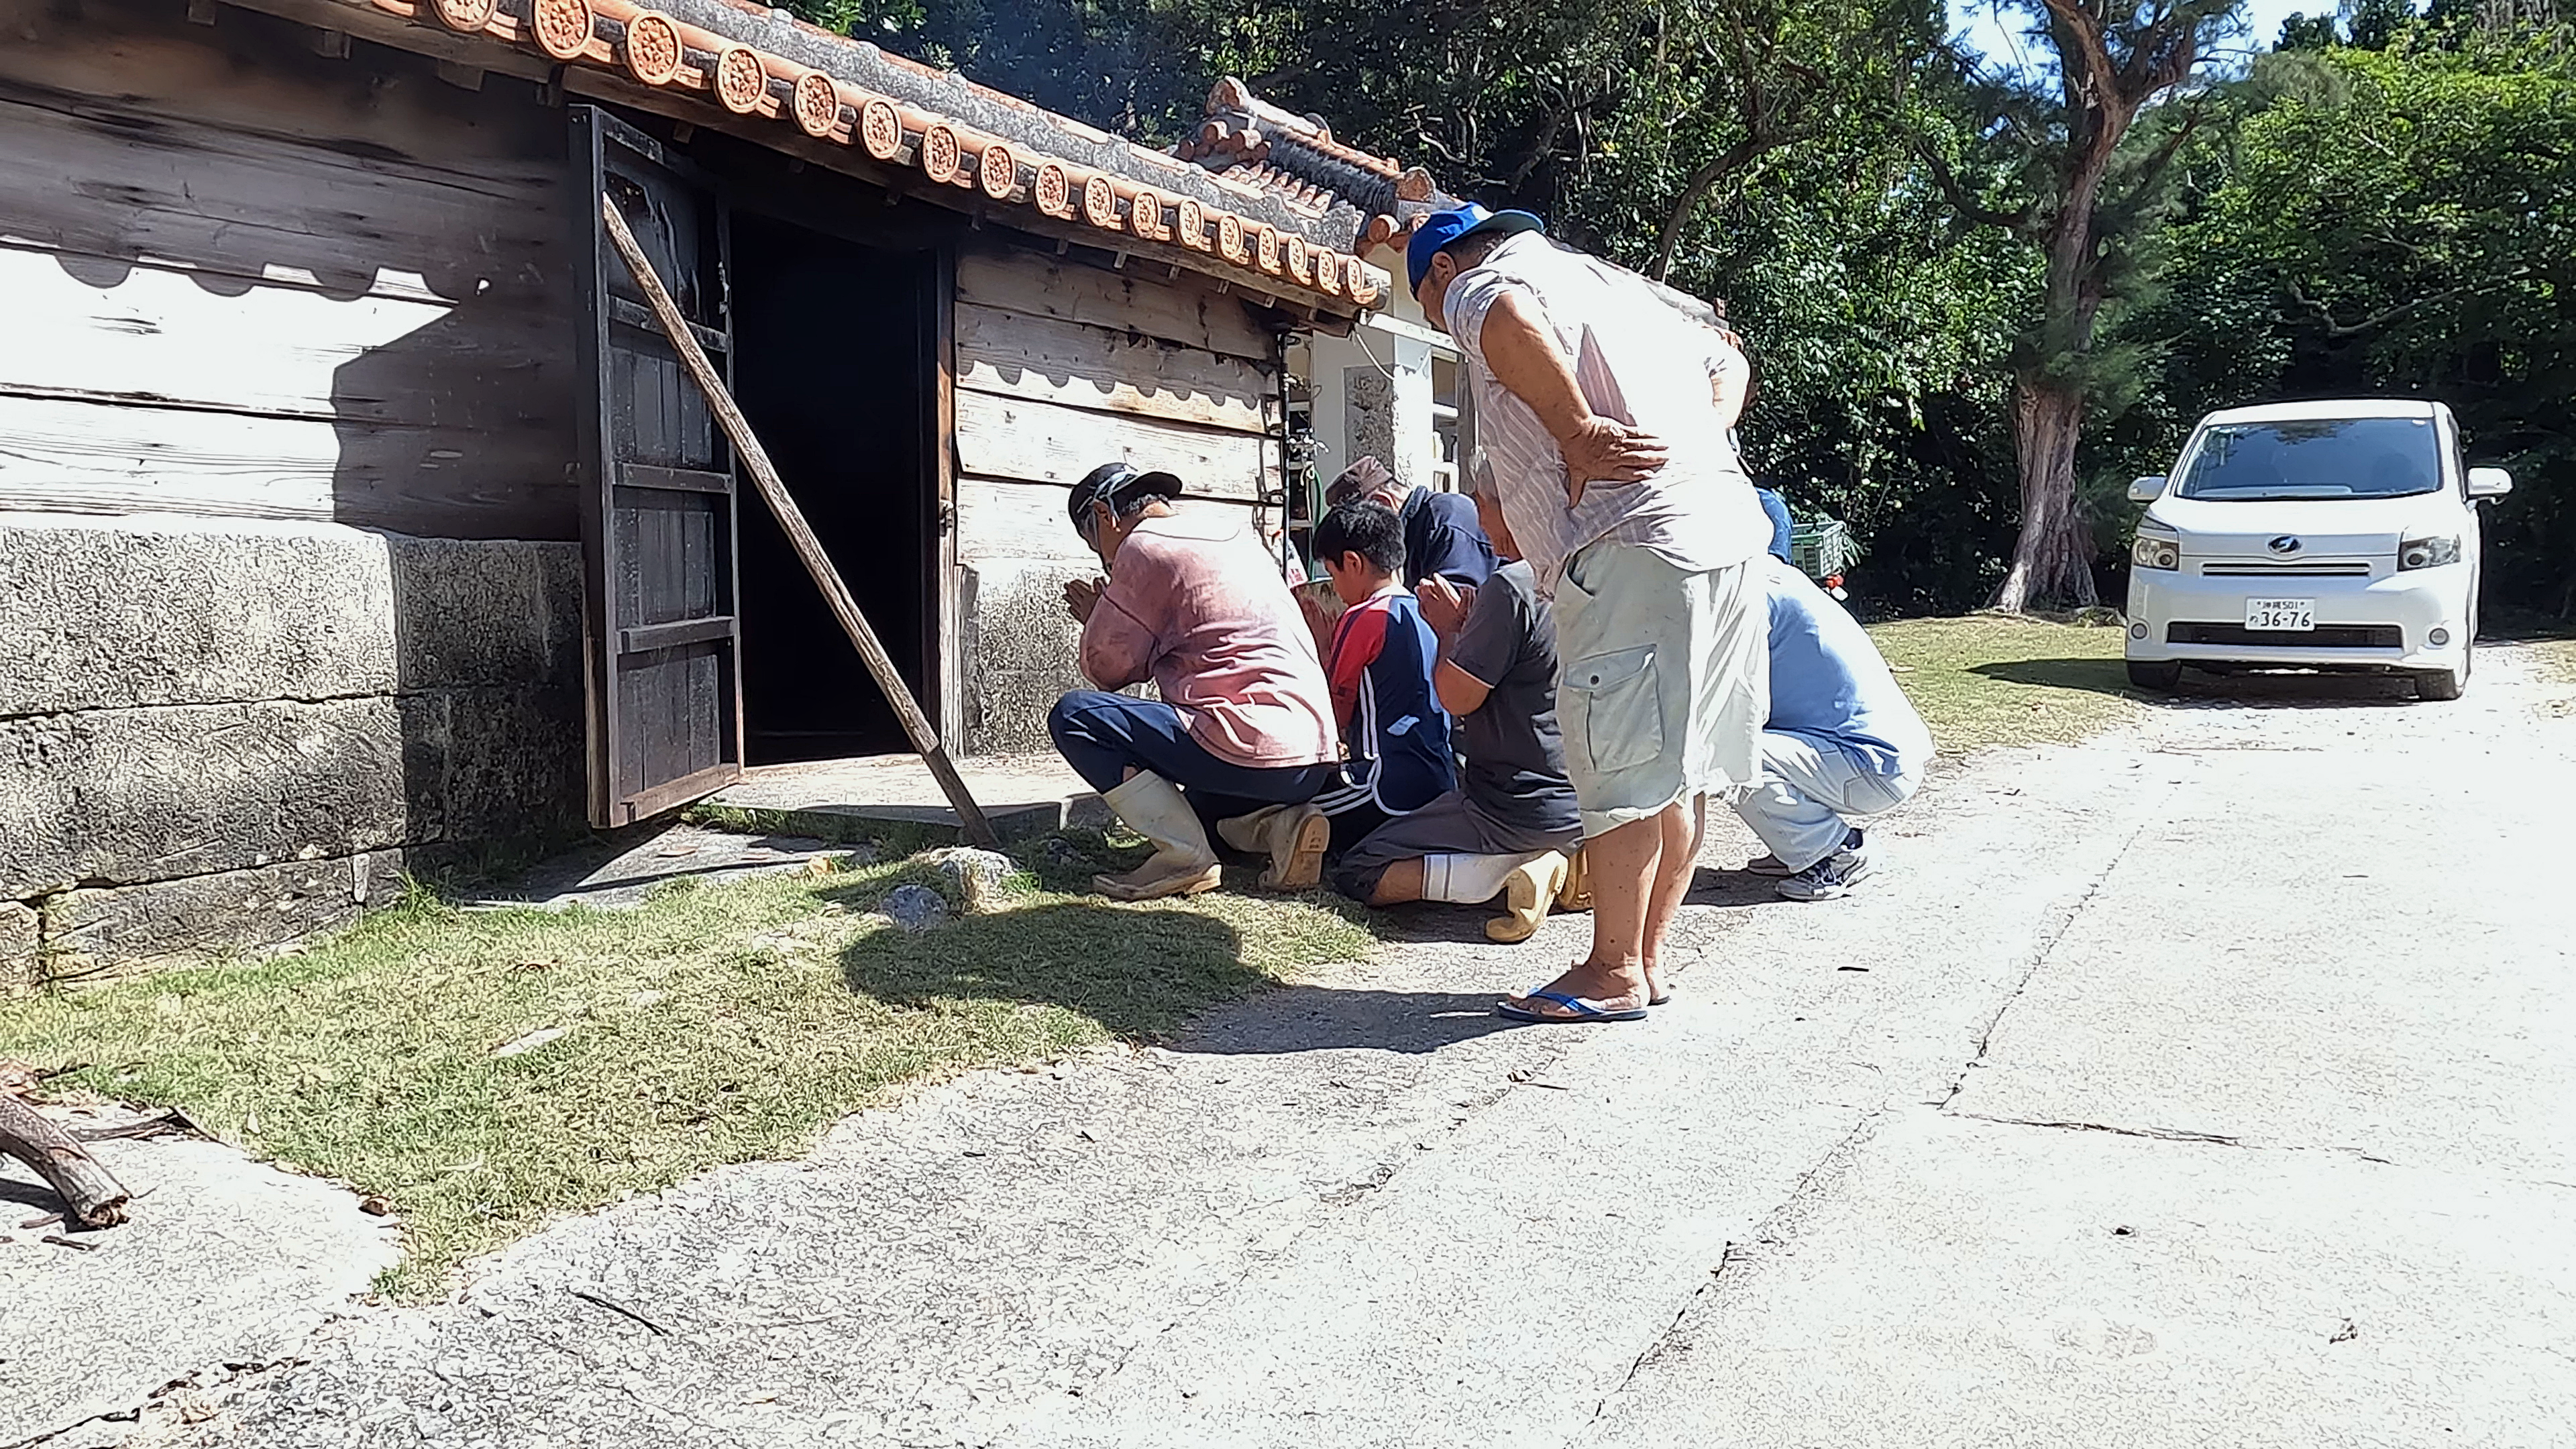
[[833, 369]]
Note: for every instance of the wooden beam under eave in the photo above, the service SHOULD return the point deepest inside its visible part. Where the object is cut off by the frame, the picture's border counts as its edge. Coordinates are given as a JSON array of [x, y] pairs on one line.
[[489, 53], [367, 23], [784, 138]]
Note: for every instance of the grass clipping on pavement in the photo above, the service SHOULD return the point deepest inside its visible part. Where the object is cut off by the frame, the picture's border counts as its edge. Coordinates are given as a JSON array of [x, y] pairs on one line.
[[2009, 679], [484, 1071]]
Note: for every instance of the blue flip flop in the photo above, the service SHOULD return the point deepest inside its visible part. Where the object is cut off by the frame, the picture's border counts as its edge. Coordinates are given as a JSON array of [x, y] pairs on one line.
[[1584, 1009]]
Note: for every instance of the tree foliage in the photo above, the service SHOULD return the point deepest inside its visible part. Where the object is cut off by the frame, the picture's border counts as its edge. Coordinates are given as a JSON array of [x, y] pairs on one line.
[[1918, 247]]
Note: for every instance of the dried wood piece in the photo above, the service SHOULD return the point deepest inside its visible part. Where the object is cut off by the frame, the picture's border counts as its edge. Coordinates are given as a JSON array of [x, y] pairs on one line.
[[93, 1196], [59, 1241]]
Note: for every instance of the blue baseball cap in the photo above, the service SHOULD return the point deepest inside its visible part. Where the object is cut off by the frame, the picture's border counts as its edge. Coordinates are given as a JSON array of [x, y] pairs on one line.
[[1443, 229]]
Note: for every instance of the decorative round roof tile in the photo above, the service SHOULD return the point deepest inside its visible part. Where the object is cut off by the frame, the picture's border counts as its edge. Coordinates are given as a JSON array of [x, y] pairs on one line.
[[940, 154], [1192, 220], [818, 105], [653, 48], [1355, 280], [998, 172], [1328, 273], [1100, 202], [562, 27], [881, 128], [1265, 247], [468, 16], [1301, 265], [1053, 190], [1145, 216], [1229, 238], [741, 84]]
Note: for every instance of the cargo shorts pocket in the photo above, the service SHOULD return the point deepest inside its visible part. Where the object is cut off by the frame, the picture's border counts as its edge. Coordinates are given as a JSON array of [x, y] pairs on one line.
[[1611, 711]]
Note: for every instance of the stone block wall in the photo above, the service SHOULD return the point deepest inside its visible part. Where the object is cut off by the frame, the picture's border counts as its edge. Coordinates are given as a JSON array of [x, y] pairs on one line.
[[220, 736]]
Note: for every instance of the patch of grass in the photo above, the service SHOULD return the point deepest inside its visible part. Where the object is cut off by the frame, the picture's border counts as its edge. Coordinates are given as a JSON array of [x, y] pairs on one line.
[[2001, 679], [713, 1024], [2557, 658]]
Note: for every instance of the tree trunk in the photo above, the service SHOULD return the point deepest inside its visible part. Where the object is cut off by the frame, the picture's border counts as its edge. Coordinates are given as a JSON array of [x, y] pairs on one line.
[[2053, 559]]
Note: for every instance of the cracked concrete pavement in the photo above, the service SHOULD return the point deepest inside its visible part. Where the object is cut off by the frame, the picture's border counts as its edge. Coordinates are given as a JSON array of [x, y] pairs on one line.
[[2212, 1083]]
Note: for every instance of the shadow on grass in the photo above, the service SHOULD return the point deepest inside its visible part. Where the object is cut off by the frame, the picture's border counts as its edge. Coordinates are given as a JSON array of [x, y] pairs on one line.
[[2093, 676], [1155, 972]]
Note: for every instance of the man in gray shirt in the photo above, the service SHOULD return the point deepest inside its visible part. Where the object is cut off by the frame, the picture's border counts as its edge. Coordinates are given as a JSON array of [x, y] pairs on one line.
[[1509, 827]]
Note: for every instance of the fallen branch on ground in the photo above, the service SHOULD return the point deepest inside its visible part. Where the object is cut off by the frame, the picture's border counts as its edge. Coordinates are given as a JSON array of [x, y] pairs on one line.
[[92, 1194]]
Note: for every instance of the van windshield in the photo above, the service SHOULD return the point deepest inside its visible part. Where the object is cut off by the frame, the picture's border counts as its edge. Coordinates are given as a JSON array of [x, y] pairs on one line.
[[2318, 458]]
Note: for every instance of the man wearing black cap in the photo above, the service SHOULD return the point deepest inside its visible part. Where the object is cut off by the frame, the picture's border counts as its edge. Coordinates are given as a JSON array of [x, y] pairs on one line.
[[1243, 732], [1442, 536], [1602, 415]]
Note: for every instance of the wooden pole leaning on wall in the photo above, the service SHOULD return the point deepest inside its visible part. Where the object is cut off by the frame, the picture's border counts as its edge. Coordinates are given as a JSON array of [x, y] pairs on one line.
[[791, 520]]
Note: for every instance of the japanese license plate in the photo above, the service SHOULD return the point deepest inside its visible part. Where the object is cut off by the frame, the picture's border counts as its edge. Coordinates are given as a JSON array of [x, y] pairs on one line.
[[2294, 615]]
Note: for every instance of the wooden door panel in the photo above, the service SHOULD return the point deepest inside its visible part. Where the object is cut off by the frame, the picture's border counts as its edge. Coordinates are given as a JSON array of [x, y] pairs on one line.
[[663, 642]]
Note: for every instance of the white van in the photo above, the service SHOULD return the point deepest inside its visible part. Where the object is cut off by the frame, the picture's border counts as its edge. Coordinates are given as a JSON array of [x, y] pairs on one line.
[[2317, 535]]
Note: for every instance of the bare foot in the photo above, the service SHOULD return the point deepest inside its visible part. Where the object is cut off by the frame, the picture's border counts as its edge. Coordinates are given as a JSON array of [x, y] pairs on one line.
[[1608, 987]]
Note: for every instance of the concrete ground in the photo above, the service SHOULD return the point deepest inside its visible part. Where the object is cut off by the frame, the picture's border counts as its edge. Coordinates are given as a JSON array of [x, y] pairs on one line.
[[2210, 1085]]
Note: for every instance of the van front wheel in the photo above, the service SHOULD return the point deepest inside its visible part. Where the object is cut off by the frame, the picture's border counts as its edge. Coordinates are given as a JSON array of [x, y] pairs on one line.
[[2439, 684], [2161, 677]]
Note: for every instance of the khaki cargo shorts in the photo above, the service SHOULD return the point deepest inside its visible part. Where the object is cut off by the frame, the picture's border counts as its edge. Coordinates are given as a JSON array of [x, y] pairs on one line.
[[1663, 681]]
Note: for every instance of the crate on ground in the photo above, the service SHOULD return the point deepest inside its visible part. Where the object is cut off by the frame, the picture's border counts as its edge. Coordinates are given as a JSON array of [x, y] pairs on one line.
[[1822, 548]]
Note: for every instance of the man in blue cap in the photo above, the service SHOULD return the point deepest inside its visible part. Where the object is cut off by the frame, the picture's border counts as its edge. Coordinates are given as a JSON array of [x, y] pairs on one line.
[[1603, 416]]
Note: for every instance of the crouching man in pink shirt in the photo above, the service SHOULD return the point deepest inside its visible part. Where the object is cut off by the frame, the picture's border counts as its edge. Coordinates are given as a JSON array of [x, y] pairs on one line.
[[1243, 733]]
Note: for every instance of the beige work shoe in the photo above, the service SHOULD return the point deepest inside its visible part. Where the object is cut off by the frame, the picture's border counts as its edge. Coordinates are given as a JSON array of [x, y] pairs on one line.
[[1182, 864], [1576, 893], [1295, 838], [1527, 892]]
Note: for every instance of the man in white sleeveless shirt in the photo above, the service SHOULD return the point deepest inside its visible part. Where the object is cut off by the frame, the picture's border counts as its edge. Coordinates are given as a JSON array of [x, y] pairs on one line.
[[1603, 414]]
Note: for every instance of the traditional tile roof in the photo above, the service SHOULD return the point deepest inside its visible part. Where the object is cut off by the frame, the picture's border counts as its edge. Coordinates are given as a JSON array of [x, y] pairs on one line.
[[759, 65], [1364, 201]]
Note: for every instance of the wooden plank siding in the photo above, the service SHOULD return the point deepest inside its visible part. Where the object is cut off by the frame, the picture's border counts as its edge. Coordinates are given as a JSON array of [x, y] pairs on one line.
[[1037, 442], [1184, 309], [1058, 369], [247, 281], [1012, 354]]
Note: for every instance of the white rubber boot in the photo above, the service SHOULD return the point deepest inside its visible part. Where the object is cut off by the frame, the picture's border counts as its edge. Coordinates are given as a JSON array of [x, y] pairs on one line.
[[1182, 864], [1293, 836]]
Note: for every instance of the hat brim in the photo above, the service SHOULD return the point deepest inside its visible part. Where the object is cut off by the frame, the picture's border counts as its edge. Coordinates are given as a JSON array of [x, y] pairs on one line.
[[1500, 223]]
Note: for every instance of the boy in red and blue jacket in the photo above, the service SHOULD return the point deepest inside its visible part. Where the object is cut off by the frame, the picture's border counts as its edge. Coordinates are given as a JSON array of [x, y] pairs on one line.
[[1380, 671]]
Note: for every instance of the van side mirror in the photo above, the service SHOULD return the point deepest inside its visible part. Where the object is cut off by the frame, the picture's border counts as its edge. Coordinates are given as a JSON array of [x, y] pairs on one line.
[[2489, 482], [2148, 490]]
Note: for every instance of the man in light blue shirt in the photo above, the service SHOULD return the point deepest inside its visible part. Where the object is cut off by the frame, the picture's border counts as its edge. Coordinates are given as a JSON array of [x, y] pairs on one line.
[[1842, 744]]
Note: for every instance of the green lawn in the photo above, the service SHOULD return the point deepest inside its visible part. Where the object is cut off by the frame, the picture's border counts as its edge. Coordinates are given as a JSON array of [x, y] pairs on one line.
[[713, 1024], [1996, 679]]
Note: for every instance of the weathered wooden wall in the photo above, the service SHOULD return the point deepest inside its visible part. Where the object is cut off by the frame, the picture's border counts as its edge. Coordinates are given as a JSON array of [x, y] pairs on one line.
[[1058, 369], [249, 297], [249, 281]]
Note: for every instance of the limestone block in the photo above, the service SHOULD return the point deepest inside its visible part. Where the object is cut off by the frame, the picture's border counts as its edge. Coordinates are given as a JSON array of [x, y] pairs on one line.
[[123, 930], [485, 612], [1023, 651], [165, 793], [108, 615], [38, 760], [18, 941], [517, 765]]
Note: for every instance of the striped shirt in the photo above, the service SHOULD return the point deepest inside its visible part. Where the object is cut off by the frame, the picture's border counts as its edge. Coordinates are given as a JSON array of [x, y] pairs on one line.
[[1637, 361]]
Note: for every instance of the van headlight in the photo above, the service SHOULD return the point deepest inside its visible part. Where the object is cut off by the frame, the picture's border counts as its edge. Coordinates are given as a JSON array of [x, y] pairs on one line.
[[2164, 551], [2428, 553]]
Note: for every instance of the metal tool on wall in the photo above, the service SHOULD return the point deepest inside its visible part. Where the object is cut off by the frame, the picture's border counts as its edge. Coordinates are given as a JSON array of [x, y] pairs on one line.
[[791, 521]]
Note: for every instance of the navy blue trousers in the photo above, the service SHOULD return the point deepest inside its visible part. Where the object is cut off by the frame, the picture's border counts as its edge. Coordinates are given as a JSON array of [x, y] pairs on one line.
[[1103, 735]]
